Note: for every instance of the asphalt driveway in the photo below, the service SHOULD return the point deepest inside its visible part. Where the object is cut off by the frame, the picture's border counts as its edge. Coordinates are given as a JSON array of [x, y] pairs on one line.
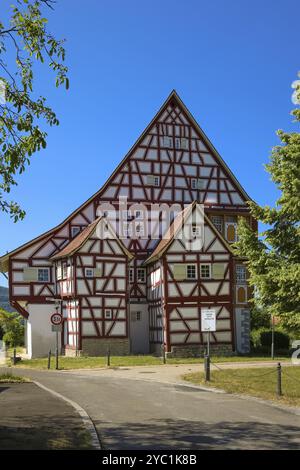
[[132, 413]]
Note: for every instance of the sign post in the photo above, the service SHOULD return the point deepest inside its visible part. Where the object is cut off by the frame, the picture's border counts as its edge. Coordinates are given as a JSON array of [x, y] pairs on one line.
[[208, 324], [56, 320]]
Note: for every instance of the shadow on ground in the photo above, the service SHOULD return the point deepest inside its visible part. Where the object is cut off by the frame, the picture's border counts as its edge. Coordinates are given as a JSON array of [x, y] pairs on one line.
[[170, 434], [31, 418]]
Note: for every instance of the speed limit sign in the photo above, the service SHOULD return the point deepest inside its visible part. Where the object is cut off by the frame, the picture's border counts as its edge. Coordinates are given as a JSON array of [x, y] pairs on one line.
[[56, 319]]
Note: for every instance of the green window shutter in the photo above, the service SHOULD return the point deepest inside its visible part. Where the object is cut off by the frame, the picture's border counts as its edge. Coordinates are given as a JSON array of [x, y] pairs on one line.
[[150, 180], [30, 274], [179, 272], [98, 272], [218, 270]]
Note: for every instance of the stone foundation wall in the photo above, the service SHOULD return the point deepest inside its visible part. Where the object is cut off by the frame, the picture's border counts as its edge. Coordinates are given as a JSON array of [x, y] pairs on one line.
[[199, 351], [98, 347]]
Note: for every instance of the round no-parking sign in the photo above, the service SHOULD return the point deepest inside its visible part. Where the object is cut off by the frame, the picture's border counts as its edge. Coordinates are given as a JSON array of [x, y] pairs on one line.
[[56, 319]]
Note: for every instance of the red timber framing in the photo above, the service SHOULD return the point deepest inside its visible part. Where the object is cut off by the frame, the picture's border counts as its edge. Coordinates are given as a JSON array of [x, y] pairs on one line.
[[94, 276], [183, 297], [172, 162]]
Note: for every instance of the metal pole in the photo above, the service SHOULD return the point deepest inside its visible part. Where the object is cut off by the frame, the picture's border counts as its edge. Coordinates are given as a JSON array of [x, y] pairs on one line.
[[49, 359], [208, 344], [207, 368], [56, 351], [273, 335], [163, 353], [15, 357], [108, 357], [279, 384]]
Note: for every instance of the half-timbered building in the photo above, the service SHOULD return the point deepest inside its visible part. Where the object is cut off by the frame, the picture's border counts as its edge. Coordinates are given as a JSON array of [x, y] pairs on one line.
[[126, 277]]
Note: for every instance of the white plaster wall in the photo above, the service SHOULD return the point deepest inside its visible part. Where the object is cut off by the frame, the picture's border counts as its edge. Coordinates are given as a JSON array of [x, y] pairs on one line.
[[40, 337]]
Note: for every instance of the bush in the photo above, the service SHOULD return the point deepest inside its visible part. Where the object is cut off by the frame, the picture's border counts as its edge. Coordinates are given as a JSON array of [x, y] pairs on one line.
[[262, 338], [259, 319], [12, 326]]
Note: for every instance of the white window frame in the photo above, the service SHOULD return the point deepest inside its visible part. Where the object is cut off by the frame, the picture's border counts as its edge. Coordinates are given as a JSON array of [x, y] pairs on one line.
[[64, 270], [143, 280], [86, 270], [127, 229], [194, 266], [240, 268], [59, 272], [177, 143], [197, 184], [138, 214], [184, 143], [44, 270], [139, 229], [138, 316], [167, 141], [75, 229], [108, 314], [209, 267], [219, 223], [156, 181], [196, 231]]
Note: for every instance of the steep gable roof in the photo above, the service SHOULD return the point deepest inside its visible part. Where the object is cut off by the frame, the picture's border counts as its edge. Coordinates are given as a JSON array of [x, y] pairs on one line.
[[173, 97], [74, 245], [173, 230]]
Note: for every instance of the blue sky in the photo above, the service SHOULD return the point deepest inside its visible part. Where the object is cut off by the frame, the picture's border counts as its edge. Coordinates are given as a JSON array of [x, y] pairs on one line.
[[231, 61]]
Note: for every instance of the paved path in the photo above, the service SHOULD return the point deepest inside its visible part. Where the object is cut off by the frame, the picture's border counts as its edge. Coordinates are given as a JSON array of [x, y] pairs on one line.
[[165, 373], [31, 418], [143, 413]]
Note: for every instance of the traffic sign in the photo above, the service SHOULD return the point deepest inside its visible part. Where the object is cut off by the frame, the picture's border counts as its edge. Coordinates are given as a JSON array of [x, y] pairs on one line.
[[208, 320], [56, 319]]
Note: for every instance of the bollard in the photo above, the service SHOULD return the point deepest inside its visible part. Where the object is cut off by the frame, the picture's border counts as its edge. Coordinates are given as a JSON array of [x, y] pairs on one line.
[[15, 357], [279, 384], [108, 357], [207, 367], [49, 359], [164, 354]]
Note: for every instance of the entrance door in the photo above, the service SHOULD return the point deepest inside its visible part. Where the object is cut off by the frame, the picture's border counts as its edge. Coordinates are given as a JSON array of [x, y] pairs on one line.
[[139, 328]]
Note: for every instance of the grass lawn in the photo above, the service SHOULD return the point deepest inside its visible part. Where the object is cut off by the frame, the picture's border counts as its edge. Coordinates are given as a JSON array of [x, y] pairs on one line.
[[258, 382], [126, 361], [8, 378]]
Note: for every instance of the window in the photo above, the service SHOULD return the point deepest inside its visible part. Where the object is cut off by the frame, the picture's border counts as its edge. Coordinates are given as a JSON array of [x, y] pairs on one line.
[[231, 231], [167, 142], [153, 180], [191, 271], [205, 271], [197, 183], [156, 181], [139, 229], [184, 144], [126, 215], [177, 143], [240, 274], [131, 275], [43, 275], [141, 275], [218, 222], [127, 229], [196, 231], [74, 230], [65, 271], [58, 272], [107, 314], [138, 316], [89, 272], [138, 214]]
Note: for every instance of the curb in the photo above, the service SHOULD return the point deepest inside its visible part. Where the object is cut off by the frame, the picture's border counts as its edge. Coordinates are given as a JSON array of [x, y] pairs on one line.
[[87, 421]]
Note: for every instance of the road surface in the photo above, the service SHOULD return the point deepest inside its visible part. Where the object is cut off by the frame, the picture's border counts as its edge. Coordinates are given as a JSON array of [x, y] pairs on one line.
[[132, 413]]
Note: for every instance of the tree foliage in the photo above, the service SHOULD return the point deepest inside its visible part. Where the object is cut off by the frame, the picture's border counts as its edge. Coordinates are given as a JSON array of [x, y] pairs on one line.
[[12, 327], [274, 257], [24, 41]]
